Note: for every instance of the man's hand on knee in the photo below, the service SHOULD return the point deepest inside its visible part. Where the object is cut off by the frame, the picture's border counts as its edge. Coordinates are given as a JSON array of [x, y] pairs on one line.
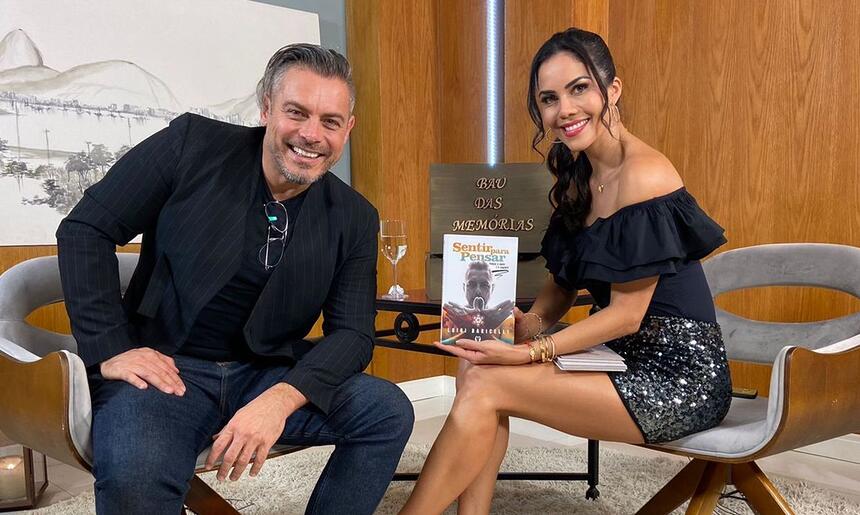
[[253, 431], [143, 367]]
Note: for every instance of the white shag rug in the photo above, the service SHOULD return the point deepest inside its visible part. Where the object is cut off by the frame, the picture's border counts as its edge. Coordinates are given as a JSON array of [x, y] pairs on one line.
[[626, 483]]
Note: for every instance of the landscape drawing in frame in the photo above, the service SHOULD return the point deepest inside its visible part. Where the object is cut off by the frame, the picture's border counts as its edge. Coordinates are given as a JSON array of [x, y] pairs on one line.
[[82, 81]]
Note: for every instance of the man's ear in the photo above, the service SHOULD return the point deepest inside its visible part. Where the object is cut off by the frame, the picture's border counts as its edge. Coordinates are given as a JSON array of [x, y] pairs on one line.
[[264, 110], [349, 125]]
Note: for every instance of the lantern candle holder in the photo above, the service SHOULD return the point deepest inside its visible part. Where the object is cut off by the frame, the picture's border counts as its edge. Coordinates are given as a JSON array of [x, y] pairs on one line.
[[23, 477]]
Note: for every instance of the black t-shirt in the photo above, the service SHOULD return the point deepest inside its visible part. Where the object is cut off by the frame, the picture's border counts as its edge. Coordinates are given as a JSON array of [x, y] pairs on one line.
[[217, 334]]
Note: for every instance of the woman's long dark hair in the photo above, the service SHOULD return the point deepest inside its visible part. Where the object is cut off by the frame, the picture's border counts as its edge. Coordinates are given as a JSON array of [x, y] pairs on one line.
[[571, 204]]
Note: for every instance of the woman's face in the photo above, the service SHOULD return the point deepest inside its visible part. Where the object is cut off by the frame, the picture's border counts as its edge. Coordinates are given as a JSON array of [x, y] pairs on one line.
[[570, 102]]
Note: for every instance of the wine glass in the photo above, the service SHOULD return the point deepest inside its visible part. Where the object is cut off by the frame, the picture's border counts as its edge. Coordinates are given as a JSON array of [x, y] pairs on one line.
[[392, 235]]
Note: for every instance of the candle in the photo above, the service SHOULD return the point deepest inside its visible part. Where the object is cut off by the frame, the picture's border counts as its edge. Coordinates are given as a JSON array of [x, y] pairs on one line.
[[12, 484]]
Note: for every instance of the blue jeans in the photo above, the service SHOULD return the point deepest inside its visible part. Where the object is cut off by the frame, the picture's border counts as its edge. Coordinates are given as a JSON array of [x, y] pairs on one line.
[[145, 442]]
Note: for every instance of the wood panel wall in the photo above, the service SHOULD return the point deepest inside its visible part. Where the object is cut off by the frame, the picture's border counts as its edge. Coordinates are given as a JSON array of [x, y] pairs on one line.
[[757, 103], [393, 147], [452, 52], [461, 59], [421, 99]]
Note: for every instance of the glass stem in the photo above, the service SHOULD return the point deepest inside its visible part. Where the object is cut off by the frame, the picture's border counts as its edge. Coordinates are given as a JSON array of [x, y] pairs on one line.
[[395, 277]]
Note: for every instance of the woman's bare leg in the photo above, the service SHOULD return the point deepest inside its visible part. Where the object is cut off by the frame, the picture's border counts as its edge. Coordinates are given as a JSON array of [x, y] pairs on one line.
[[579, 403], [478, 496]]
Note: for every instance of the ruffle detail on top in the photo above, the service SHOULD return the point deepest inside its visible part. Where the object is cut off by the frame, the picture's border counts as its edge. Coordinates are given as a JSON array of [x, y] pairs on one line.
[[654, 237]]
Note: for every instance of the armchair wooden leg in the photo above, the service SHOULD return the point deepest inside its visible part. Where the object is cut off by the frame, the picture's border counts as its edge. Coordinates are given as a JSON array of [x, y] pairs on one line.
[[205, 501], [762, 496], [708, 492], [676, 491]]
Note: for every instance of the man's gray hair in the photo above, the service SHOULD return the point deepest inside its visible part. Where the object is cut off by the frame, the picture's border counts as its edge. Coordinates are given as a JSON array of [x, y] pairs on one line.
[[322, 61]]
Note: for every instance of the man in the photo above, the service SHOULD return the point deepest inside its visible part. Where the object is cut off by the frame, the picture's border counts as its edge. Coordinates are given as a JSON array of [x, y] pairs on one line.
[[246, 238], [476, 316], [478, 284]]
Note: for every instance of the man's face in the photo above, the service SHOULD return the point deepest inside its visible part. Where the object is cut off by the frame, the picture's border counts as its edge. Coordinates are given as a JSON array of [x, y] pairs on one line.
[[308, 122], [478, 283]]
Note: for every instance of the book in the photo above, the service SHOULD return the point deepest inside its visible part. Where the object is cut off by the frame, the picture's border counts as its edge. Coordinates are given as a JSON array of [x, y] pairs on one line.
[[599, 358], [479, 282]]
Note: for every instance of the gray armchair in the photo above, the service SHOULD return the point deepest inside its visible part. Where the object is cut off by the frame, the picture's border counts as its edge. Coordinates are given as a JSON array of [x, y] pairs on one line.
[[814, 386], [44, 394]]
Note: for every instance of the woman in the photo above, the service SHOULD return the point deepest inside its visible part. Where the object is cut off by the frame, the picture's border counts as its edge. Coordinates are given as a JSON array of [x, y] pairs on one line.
[[625, 228]]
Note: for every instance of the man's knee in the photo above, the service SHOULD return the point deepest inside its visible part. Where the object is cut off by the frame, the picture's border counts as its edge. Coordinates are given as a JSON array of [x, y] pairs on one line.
[[142, 458], [386, 409], [398, 405]]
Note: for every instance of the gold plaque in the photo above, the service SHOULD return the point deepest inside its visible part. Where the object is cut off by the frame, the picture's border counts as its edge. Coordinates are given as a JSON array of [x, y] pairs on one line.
[[498, 200]]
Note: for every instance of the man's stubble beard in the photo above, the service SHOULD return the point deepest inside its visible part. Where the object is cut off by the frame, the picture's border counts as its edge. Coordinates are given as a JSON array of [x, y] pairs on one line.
[[293, 177]]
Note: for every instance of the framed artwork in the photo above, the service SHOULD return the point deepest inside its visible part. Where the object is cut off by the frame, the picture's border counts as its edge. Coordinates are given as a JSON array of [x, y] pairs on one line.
[[83, 81]]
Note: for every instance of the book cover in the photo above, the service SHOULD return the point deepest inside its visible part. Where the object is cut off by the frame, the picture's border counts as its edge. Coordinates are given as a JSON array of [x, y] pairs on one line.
[[479, 281]]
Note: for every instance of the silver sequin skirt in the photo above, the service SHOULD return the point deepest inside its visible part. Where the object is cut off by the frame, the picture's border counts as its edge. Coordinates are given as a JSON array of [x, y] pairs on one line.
[[677, 380]]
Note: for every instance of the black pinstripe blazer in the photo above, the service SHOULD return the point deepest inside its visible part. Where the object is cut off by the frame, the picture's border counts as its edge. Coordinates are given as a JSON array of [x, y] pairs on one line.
[[188, 189]]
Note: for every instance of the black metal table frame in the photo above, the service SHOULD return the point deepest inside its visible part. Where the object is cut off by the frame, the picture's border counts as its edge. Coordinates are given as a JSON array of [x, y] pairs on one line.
[[407, 328]]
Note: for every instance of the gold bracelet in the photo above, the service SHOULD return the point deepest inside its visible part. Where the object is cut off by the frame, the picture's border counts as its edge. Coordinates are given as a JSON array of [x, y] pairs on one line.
[[543, 349], [540, 322], [532, 353], [552, 345], [547, 347]]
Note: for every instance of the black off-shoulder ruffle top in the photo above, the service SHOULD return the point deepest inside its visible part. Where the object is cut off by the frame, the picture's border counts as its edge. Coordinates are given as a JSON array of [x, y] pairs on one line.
[[664, 236]]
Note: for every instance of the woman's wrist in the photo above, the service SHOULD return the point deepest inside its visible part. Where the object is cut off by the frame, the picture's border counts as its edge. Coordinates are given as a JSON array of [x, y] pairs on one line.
[[523, 357], [541, 349]]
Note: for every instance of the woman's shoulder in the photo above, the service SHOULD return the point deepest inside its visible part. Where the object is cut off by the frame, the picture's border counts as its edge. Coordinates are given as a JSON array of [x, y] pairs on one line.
[[657, 229], [646, 174]]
